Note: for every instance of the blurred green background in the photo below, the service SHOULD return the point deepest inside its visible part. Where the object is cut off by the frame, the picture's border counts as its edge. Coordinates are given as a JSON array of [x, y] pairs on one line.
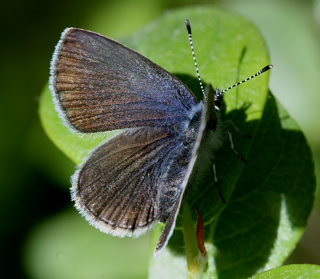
[[42, 236]]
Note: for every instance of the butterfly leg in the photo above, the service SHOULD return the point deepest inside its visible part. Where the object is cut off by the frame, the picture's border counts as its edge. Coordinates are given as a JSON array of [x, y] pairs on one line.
[[234, 126], [233, 148], [217, 185]]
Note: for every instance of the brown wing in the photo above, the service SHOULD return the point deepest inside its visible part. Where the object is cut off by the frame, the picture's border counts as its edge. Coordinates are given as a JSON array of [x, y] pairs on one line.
[[101, 85], [117, 188], [138, 178]]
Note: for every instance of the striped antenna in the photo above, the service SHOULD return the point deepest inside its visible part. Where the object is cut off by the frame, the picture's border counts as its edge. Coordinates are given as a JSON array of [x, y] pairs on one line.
[[266, 68], [194, 56]]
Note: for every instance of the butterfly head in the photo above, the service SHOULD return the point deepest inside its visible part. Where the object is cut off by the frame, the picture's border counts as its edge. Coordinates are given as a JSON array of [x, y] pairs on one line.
[[218, 99]]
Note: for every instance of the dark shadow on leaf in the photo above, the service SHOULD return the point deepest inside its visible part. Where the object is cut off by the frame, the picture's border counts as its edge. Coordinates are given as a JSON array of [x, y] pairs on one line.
[[278, 181], [201, 192]]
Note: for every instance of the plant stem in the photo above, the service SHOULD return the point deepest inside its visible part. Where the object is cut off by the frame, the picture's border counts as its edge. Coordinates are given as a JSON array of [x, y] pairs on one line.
[[195, 260]]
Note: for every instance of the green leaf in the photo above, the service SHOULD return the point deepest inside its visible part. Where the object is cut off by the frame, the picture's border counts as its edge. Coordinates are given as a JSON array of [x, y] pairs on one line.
[[269, 198], [295, 271]]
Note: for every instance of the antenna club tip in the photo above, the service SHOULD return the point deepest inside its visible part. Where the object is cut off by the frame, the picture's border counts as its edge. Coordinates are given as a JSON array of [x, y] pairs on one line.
[[188, 25], [266, 68]]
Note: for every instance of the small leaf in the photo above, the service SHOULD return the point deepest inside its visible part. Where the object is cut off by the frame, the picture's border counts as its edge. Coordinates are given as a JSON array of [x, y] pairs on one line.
[[65, 247], [295, 271]]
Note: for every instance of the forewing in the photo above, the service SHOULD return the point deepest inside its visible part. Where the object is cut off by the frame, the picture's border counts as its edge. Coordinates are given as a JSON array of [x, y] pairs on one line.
[[117, 189], [102, 85]]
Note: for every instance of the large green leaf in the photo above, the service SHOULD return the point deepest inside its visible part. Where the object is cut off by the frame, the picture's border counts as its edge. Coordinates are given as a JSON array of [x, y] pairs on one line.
[[266, 214]]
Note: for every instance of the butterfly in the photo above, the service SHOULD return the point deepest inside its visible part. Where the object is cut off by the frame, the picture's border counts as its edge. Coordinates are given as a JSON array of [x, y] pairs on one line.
[[138, 178]]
